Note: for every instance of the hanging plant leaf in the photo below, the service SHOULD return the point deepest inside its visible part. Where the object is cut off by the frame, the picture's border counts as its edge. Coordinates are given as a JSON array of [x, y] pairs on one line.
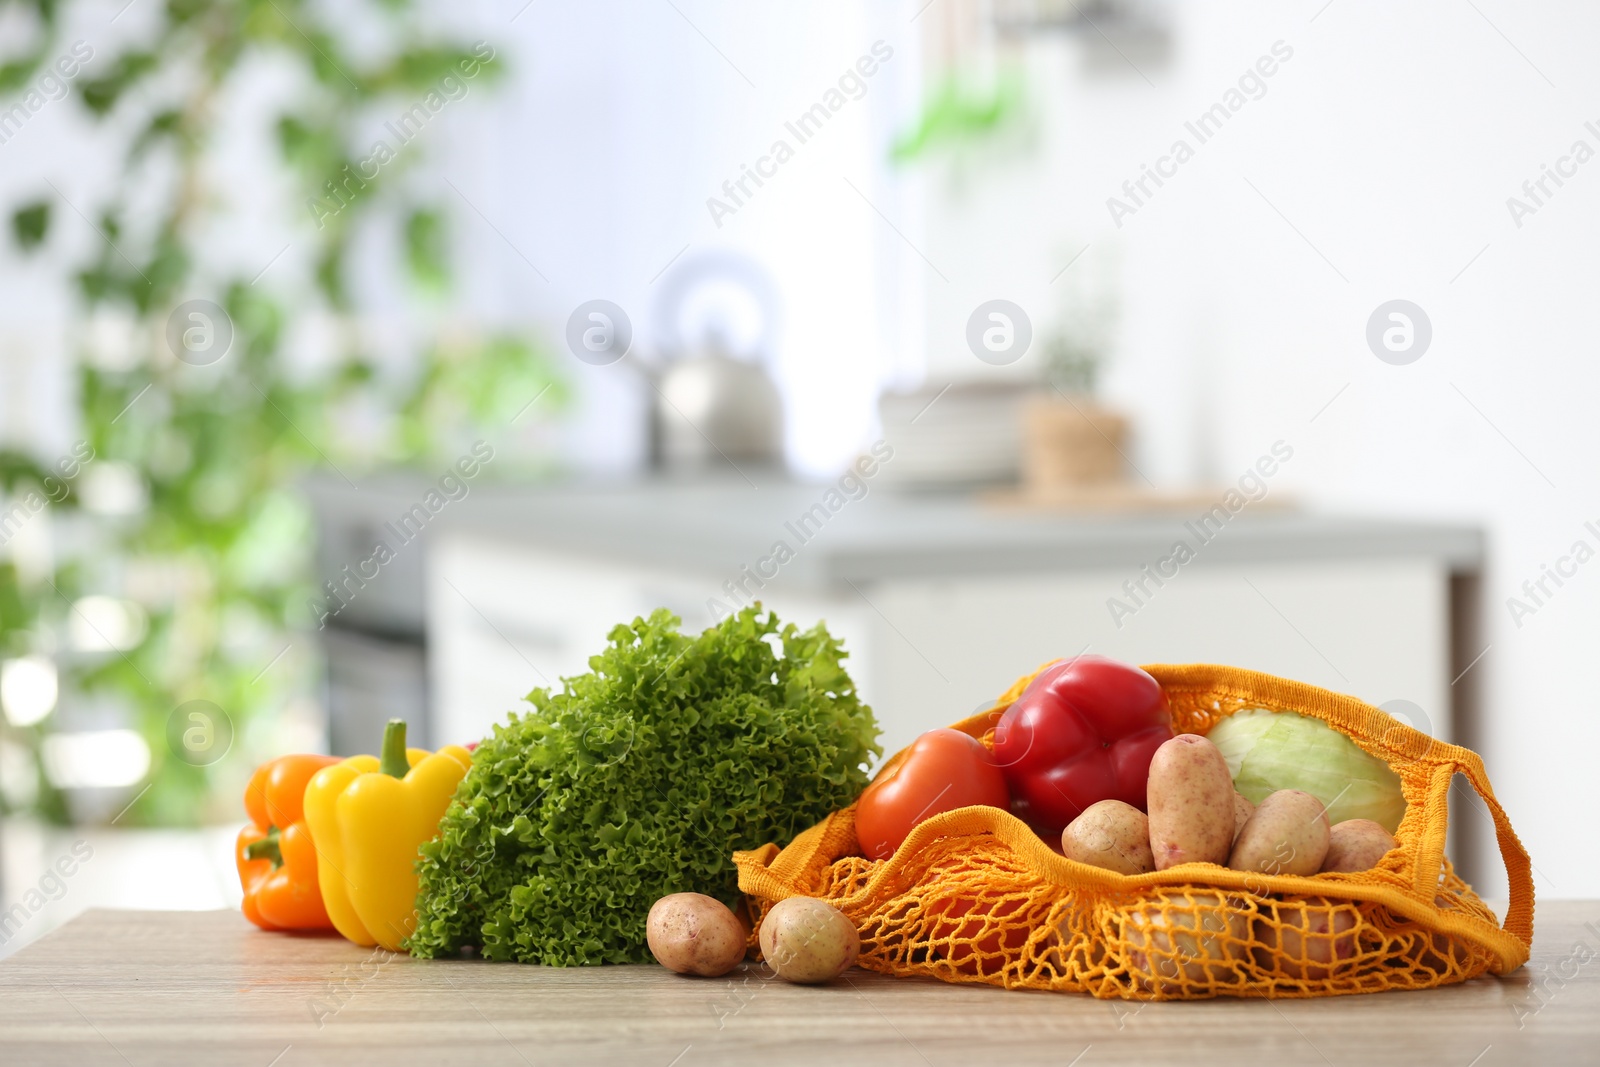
[[100, 95], [30, 225], [427, 252]]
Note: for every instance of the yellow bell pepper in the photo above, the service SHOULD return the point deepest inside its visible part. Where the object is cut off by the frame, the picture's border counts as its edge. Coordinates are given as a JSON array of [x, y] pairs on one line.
[[369, 817]]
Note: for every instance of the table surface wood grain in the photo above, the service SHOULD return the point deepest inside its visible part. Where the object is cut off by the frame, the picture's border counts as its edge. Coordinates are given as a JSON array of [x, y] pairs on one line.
[[176, 988]]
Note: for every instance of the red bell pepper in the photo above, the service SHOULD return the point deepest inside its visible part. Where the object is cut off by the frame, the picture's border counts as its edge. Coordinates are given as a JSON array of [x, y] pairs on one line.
[[1083, 731]]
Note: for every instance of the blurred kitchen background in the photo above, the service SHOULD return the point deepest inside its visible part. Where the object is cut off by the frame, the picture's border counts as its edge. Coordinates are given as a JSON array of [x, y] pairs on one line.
[[372, 359]]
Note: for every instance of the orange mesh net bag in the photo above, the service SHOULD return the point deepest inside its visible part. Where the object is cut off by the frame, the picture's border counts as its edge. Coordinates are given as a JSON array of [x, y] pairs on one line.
[[974, 895]]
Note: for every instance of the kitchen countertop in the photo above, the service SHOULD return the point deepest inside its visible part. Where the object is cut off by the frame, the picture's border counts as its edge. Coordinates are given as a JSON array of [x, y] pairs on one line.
[[896, 535], [714, 526], [173, 988]]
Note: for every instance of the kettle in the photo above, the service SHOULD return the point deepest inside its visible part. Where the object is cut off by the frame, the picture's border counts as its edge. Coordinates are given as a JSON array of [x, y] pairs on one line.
[[712, 407], [716, 403]]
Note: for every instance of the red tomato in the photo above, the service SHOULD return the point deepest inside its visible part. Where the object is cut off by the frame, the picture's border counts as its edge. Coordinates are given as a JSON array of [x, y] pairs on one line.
[[944, 770], [965, 920], [1083, 731]]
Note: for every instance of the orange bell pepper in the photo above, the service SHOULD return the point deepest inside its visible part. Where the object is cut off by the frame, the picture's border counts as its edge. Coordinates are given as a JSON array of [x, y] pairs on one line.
[[277, 860]]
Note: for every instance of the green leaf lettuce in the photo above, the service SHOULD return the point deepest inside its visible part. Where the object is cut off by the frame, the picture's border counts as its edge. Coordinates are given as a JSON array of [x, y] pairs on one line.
[[637, 780]]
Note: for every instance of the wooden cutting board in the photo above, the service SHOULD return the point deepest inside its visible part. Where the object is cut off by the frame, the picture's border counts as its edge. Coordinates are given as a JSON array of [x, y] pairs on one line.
[[1122, 498]]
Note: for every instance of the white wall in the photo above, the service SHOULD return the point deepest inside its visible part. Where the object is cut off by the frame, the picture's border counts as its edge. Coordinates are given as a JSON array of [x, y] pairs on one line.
[[1390, 140], [623, 119], [582, 177]]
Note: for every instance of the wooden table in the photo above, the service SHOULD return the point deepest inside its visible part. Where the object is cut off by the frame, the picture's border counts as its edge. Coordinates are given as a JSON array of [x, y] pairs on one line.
[[172, 988]]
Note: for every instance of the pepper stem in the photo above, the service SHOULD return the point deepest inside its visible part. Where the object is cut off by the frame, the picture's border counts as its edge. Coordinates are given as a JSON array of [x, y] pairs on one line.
[[393, 759], [266, 848]]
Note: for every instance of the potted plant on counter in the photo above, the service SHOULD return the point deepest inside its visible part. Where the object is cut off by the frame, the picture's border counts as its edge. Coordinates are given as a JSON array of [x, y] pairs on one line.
[[1070, 441]]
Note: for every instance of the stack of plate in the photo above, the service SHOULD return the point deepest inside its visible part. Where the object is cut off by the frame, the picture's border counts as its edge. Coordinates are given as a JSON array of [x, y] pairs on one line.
[[957, 436]]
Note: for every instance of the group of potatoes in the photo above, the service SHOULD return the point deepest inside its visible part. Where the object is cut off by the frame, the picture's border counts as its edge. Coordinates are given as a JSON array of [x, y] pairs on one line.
[[804, 940], [1190, 937], [1196, 938], [1196, 816]]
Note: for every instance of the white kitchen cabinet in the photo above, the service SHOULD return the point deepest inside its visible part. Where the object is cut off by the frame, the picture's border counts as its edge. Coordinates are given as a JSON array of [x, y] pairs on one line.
[[505, 615], [941, 602], [504, 619]]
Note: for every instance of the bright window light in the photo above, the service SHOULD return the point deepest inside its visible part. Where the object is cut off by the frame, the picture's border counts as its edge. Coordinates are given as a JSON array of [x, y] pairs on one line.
[[28, 689], [111, 488], [19, 775], [106, 624], [95, 759]]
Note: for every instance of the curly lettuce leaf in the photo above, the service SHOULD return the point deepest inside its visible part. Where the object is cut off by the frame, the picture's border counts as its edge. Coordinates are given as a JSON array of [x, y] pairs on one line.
[[640, 779]]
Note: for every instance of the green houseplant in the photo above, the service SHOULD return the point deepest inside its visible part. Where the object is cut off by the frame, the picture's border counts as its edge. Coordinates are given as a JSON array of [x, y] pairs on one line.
[[200, 412]]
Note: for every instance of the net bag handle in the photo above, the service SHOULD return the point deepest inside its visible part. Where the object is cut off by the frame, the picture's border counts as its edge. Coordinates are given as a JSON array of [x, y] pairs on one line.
[[1519, 867]]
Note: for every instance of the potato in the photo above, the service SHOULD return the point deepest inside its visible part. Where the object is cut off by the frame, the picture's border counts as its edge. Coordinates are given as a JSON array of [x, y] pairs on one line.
[[1287, 834], [1111, 834], [1312, 936], [808, 940], [1242, 810], [1191, 803], [1171, 947], [1356, 845], [1442, 953], [692, 933]]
